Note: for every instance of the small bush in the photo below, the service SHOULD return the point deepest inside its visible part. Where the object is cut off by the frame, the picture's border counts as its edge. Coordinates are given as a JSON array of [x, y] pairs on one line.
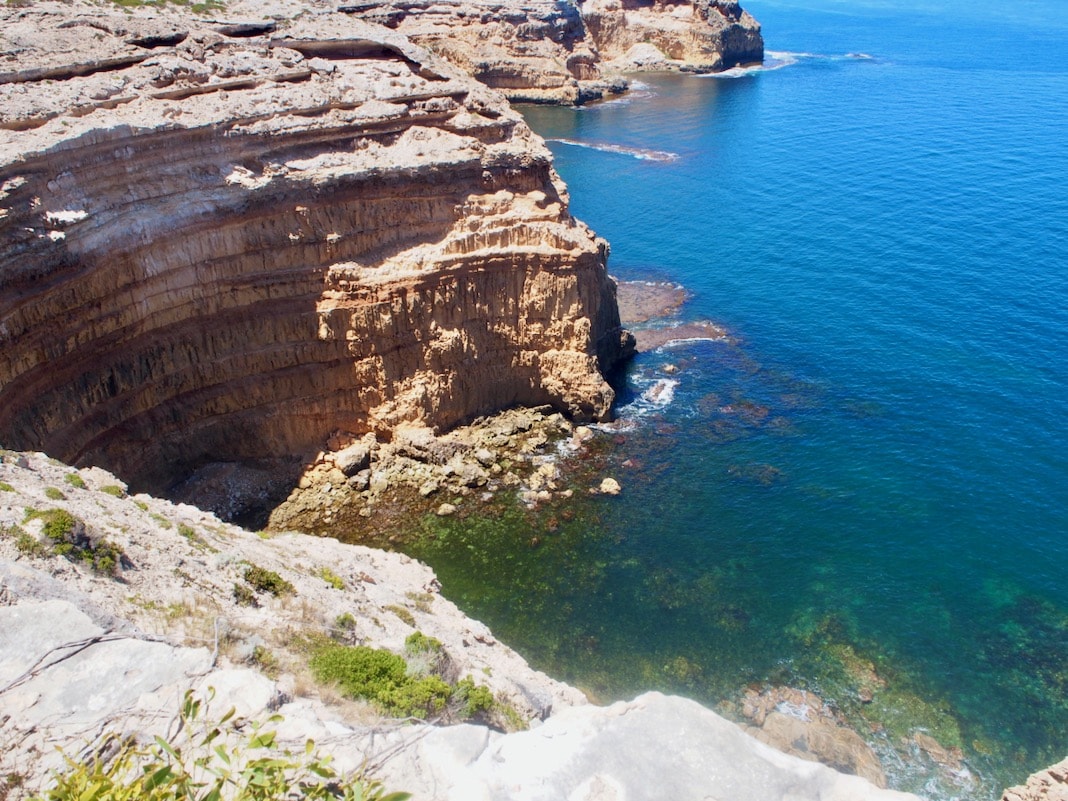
[[345, 623], [265, 661], [331, 578], [74, 480], [381, 677], [54, 494], [5, 487], [209, 760], [263, 580], [25, 543], [114, 489], [65, 535], [474, 700]]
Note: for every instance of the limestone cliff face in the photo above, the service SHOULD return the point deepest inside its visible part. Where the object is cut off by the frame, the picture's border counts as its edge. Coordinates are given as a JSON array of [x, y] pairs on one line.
[[225, 241], [702, 36], [568, 52]]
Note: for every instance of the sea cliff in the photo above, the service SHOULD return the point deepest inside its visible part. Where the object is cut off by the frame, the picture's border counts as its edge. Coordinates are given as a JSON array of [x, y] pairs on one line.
[[226, 242]]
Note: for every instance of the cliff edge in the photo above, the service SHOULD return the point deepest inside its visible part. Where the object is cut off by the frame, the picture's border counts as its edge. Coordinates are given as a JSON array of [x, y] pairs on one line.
[[96, 585], [226, 240]]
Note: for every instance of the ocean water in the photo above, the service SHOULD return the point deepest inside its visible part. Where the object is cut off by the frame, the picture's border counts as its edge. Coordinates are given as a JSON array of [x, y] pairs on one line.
[[864, 489]]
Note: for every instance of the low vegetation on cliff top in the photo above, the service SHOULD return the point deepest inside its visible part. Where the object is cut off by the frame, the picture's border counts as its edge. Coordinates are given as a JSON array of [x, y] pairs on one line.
[[210, 760]]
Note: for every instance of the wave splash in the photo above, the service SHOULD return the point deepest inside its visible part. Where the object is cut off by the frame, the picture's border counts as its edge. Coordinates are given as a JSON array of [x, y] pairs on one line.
[[777, 59]]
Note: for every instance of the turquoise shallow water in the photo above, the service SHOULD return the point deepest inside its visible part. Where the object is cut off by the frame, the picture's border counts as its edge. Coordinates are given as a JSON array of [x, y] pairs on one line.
[[872, 478]]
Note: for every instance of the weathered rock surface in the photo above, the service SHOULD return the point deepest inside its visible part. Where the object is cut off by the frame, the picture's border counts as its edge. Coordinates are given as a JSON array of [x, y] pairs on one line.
[[698, 36], [799, 723], [86, 654], [224, 242], [571, 52], [1046, 785]]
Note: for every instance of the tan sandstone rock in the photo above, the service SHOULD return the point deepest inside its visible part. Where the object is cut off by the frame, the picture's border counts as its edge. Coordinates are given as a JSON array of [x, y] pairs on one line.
[[222, 243], [1046, 785]]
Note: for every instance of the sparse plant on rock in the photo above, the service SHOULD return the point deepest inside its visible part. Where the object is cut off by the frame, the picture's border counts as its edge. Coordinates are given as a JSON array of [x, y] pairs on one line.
[[331, 578], [75, 480], [263, 580], [54, 494], [66, 535], [114, 489], [211, 761]]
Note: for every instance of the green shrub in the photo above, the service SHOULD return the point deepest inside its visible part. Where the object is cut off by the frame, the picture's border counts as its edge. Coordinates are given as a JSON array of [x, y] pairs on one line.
[[207, 761], [114, 489], [66, 535], [74, 480], [59, 524], [331, 578], [263, 580], [380, 677], [5, 487], [345, 623], [474, 700], [265, 661], [54, 494], [25, 543]]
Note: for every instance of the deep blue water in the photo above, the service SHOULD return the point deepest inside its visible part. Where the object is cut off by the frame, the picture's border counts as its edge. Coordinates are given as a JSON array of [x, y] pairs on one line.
[[873, 474]]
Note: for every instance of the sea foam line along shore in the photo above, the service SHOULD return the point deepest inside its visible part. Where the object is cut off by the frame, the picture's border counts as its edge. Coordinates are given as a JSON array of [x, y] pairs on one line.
[[643, 154]]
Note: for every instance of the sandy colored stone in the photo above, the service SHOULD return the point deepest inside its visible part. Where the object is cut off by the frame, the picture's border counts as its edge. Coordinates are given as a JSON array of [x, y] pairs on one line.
[[251, 243]]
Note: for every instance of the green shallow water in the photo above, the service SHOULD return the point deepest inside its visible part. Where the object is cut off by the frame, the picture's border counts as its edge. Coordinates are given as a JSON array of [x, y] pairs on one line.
[[864, 492]]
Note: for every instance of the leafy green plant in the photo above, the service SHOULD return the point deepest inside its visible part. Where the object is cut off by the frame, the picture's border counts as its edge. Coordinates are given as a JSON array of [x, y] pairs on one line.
[[54, 494], [263, 580], [210, 761], [381, 677], [114, 489], [331, 578], [66, 535], [74, 480], [474, 700]]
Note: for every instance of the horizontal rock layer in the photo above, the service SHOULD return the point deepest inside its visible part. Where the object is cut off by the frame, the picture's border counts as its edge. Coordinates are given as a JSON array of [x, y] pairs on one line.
[[224, 242], [566, 52]]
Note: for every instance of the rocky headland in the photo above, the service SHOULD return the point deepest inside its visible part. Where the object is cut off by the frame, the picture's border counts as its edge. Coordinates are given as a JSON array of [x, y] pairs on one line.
[[226, 242]]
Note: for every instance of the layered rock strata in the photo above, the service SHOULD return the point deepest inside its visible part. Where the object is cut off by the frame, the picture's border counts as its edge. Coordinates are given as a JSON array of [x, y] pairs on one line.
[[698, 36], [223, 242], [544, 51]]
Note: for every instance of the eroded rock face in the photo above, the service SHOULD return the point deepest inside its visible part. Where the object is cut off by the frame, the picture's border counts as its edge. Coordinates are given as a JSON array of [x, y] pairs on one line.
[[222, 242], [1046, 785], [544, 51], [702, 36]]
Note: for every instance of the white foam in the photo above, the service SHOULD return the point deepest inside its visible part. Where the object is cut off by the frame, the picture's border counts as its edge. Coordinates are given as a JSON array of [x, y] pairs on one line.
[[661, 393], [641, 153], [777, 59]]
